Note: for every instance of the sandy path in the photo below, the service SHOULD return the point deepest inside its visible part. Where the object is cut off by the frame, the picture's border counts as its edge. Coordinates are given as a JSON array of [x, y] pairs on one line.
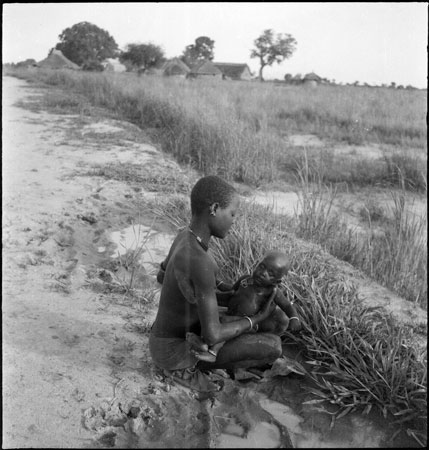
[[64, 347], [76, 368]]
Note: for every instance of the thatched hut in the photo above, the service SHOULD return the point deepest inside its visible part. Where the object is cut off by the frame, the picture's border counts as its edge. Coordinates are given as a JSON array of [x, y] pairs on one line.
[[113, 65], [234, 71], [311, 80], [56, 60], [175, 67], [205, 69], [27, 63]]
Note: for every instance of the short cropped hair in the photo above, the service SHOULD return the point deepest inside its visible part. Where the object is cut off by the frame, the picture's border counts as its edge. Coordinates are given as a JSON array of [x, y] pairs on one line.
[[208, 190]]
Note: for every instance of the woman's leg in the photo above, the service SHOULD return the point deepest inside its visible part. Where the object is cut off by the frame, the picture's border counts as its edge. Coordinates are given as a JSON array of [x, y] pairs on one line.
[[246, 350]]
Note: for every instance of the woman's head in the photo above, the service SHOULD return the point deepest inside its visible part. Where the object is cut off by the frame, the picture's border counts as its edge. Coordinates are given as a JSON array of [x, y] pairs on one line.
[[217, 201]]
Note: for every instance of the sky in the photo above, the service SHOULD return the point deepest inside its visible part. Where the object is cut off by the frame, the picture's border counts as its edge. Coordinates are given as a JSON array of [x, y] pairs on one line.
[[373, 42]]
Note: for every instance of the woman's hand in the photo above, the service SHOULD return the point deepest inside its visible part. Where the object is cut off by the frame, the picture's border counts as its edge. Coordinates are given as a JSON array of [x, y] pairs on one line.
[[266, 309], [160, 276]]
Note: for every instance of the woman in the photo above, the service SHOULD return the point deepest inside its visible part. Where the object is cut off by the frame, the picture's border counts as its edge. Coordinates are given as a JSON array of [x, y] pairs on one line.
[[188, 301]]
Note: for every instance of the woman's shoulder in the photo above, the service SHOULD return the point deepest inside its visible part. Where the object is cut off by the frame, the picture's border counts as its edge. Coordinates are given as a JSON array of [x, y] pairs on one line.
[[187, 250]]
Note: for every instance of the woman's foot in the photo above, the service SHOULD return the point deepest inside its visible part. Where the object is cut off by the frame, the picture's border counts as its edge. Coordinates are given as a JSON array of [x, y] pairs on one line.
[[194, 379], [200, 349], [196, 342]]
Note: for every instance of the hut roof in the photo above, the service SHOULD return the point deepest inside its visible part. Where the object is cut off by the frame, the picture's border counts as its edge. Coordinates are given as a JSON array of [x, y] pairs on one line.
[[205, 68], [312, 77], [56, 60], [114, 64], [175, 66], [27, 63], [232, 70]]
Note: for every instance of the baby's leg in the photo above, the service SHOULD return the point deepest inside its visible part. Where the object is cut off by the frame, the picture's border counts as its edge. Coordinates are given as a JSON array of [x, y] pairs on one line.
[[277, 322]]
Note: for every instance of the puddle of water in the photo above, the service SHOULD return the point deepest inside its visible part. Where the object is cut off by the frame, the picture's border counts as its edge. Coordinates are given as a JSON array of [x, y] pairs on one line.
[[263, 435], [353, 431], [280, 202], [152, 246], [101, 127], [305, 140], [285, 415]]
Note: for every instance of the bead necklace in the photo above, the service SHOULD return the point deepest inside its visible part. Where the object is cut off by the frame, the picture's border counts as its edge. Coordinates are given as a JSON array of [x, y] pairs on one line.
[[199, 240]]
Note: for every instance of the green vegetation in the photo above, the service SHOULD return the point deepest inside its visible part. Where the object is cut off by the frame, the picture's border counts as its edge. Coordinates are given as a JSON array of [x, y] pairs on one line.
[[395, 254], [361, 358], [271, 47], [238, 130], [233, 129], [87, 45]]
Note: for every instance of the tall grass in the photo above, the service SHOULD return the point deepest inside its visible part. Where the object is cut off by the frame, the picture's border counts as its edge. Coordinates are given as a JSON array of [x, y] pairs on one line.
[[361, 358], [395, 256], [238, 130], [227, 129]]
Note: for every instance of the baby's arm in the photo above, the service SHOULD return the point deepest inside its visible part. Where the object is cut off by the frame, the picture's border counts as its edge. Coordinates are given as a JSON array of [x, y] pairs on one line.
[[223, 287], [223, 295], [236, 285], [289, 310]]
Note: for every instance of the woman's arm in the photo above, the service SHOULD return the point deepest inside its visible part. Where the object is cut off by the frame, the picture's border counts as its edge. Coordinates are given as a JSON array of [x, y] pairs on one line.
[[212, 330], [224, 291], [223, 298], [223, 287], [289, 310]]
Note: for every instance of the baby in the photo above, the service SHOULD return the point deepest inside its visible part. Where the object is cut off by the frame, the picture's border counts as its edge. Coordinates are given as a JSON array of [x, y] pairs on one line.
[[249, 294]]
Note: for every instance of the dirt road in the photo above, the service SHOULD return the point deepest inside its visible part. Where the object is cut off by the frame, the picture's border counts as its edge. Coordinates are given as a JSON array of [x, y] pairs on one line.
[[65, 348]]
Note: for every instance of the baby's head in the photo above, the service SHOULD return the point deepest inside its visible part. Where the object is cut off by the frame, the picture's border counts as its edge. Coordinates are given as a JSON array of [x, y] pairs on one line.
[[270, 271]]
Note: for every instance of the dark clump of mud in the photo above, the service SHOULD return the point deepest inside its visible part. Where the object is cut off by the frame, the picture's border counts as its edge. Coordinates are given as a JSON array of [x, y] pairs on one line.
[[155, 421], [181, 418]]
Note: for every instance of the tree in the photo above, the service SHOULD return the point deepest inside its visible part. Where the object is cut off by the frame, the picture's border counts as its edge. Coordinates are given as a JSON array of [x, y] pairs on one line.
[[271, 47], [288, 78], [202, 49], [142, 56], [86, 44]]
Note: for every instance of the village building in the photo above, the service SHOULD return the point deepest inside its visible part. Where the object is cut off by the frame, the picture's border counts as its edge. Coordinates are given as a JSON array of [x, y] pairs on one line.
[[234, 71], [56, 60], [205, 69], [311, 79], [175, 67], [26, 64], [113, 65]]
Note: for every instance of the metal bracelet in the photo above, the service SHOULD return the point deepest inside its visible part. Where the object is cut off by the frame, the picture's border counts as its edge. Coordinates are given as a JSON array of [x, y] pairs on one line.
[[250, 320]]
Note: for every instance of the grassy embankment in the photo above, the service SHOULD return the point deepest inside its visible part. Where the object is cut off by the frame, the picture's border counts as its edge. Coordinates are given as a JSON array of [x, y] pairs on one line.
[[360, 358], [237, 130]]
